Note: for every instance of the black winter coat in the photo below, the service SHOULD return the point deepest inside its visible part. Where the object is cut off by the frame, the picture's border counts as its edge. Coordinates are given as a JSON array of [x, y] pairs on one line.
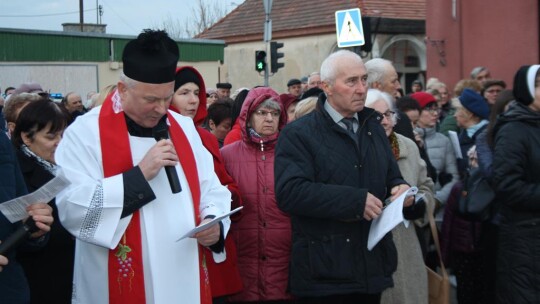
[[322, 180], [516, 167], [13, 286], [49, 269]]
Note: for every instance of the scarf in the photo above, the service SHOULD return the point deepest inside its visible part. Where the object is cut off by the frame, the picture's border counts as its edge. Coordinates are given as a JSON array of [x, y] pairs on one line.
[[394, 144], [42, 162], [126, 273]]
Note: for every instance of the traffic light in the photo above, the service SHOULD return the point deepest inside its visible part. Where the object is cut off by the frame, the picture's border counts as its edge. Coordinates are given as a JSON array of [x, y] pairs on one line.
[[260, 61], [275, 65]]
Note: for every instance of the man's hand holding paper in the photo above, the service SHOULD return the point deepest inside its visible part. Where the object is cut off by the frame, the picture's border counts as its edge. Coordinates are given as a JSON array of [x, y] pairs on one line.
[[391, 216], [396, 191]]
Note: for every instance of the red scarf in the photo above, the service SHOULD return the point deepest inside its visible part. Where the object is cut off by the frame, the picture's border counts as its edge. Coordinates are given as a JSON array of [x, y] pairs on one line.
[[126, 273]]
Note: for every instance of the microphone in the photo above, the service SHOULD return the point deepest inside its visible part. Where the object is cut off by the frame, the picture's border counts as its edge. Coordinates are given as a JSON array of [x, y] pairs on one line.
[[161, 133], [19, 236]]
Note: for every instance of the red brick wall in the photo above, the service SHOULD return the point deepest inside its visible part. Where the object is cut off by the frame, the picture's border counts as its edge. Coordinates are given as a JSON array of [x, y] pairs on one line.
[[499, 34]]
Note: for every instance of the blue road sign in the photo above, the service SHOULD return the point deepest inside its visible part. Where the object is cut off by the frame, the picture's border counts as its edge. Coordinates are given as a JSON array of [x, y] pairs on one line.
[[349, 28]]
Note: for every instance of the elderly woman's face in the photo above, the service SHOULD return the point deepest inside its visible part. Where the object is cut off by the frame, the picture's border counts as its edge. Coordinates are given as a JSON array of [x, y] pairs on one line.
[[463, 117], [211, 99], [43, 143], [265, 121], [444, 96], [387, 122]]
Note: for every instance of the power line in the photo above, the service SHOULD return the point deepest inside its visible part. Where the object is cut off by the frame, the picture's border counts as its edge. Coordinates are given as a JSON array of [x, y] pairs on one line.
[[45, 15], [119, 16]]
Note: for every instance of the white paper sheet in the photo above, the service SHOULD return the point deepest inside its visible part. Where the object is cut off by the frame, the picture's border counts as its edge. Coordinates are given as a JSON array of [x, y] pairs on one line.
[[209, 224], [391, 216], [15, 210], [455, 143]]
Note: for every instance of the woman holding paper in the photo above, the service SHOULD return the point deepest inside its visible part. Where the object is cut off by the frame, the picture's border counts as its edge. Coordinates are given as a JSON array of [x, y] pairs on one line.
[[189, 99], [263, 234], [438, 147], [49, 270], [410, 279]]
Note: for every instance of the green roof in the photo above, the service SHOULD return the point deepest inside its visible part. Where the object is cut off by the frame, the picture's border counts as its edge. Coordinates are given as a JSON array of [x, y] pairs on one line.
[[34, 45]]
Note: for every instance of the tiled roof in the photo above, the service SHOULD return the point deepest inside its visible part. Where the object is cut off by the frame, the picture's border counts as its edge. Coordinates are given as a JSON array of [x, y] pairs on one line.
[[304, 17]]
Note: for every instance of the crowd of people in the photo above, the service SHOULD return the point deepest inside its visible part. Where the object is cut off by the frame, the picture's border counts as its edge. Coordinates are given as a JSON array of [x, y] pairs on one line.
[[312, 165]]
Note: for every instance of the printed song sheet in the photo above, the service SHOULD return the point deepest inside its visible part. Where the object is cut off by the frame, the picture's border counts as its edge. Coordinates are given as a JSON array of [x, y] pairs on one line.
[[455, 143], [391, 216], [209, 224], [15, 210]]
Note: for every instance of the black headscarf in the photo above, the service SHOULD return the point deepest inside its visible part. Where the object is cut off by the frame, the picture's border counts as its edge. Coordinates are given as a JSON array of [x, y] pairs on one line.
[[524, 83]]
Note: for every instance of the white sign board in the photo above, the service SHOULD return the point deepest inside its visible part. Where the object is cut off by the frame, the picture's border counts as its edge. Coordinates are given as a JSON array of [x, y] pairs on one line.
[[349, 28]]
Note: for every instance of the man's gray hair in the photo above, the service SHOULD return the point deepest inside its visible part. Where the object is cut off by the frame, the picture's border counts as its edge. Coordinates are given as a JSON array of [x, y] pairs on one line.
[[313, 74], [374, 95], [130, 83], [376, 69], [329, 68], [477, 70]]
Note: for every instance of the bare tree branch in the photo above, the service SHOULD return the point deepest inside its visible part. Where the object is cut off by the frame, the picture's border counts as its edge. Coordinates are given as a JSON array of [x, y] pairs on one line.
[[203, 16]]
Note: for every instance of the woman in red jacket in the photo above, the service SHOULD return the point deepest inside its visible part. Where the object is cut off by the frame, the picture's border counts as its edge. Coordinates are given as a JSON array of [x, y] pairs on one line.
[[189, 99], [263, 235]]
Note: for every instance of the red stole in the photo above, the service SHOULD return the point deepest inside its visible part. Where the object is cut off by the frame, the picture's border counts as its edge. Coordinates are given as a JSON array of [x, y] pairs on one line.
[[126, 273]]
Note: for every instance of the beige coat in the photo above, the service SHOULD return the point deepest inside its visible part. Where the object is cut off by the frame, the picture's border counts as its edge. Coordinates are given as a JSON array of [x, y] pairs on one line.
[[410, 278]]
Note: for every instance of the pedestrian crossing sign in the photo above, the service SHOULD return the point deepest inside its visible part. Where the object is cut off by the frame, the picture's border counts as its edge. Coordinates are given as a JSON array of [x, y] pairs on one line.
[[349, 28]]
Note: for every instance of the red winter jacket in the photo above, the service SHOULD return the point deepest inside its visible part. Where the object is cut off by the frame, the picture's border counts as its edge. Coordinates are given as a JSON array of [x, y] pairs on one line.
[[234, 135], [263, 234]]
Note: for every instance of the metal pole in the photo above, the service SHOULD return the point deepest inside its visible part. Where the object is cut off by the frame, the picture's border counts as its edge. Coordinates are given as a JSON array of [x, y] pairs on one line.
[[81, 14], [267, 37], [267, 47]]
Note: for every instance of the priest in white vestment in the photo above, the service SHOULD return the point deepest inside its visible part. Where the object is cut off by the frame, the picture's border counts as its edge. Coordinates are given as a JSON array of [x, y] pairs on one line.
[[120, 205]]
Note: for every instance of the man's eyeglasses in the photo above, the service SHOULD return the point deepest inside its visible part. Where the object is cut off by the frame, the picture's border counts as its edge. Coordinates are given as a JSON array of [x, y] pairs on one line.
[[263, 113], [492, 91]]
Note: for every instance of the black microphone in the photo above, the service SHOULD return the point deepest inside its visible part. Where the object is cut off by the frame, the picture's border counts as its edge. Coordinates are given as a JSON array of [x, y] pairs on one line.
[[19, 236], [161, 133]]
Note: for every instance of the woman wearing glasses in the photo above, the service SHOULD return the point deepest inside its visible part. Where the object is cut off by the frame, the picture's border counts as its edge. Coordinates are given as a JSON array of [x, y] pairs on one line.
[[410, 279], [438, 147], [263, 234]]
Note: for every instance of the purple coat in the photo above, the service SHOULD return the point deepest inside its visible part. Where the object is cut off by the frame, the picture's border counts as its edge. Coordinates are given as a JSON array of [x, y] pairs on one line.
[[458, 234]]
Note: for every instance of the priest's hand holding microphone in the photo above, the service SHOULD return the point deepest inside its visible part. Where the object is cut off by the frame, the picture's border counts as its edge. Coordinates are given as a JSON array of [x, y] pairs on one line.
[[163, 154]]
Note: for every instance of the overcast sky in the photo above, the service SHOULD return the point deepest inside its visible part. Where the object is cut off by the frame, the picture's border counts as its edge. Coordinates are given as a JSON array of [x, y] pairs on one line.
[[125, 17]]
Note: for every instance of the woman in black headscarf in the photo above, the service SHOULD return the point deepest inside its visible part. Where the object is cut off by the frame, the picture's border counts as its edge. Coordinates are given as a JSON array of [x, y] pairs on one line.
[[516, 164]]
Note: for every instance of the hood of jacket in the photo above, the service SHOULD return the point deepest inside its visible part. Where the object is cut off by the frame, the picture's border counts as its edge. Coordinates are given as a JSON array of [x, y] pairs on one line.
[[255, 98], [517, 112], [201, 110]]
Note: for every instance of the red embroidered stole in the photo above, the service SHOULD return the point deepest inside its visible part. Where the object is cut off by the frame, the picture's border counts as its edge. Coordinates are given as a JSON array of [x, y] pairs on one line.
[[125, 265]]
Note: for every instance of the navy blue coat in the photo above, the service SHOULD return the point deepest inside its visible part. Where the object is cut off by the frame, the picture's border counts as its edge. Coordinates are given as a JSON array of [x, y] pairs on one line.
[[322, 180], [13, 285]]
